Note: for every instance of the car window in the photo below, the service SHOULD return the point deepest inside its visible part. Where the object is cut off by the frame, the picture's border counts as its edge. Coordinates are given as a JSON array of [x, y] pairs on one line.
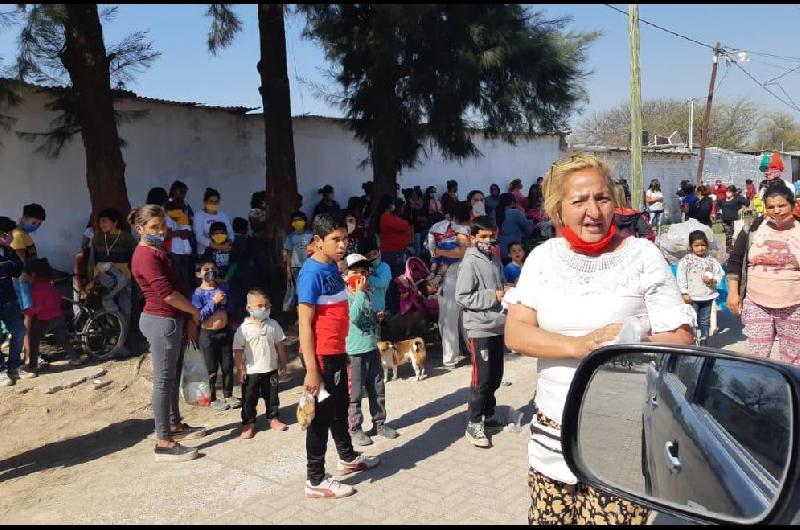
[[687, 370], [734, 391]]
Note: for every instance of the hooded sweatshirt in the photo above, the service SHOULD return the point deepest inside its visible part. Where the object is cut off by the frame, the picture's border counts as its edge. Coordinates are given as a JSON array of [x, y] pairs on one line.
[[479, 279]]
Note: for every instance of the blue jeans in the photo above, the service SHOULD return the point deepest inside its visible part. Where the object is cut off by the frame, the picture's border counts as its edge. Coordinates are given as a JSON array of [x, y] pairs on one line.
[[165, 336], [11, 315], [655, 221], [704, 316]]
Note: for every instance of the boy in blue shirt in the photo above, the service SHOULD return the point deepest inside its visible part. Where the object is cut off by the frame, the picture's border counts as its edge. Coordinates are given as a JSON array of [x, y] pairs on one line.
[[324, 321], [512, 271], [213, 299]]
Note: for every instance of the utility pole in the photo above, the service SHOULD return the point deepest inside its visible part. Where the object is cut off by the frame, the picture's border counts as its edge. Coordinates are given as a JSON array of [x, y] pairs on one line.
[[707, 117], [691, 124], [637, 177]]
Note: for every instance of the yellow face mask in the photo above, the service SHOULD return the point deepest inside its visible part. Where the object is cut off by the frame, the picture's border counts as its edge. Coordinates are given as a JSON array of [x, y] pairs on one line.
[[212, 208], [298, 225], [219, 238]]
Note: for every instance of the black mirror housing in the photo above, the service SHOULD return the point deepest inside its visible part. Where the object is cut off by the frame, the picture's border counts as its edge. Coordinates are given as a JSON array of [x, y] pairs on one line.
[[785, 510]]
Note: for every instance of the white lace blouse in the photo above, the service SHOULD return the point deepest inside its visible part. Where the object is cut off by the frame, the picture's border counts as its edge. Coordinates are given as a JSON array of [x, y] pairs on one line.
[[574, 294]]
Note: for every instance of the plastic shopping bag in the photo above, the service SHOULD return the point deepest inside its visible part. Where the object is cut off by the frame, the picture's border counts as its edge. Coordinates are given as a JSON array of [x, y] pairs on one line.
[[194, 383], [290, 300]]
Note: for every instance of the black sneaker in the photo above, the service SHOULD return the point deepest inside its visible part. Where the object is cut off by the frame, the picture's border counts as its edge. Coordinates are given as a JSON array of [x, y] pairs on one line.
[[493, 425], [383, 430], [176, 453], [188, 433]]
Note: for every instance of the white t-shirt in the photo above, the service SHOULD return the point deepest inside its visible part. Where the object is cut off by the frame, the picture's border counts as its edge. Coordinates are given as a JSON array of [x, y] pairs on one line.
[[656, 196], [258, 340], [202, 224], [573, 295]]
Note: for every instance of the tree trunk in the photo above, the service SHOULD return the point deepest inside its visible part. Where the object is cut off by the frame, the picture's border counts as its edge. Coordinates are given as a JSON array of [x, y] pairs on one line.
[[281, 174], [384, 171], [85, 59]]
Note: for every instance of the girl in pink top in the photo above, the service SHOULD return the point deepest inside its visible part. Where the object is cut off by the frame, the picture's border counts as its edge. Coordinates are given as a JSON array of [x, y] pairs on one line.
[[44, 316]]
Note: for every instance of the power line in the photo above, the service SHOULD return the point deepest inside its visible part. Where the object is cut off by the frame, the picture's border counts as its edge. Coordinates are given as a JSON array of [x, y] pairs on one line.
[[782, 75], [725, 53], [664, 29], [762, 85]]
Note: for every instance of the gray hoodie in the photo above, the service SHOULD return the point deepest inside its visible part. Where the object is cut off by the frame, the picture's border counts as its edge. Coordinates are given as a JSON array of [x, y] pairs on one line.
[[479, 279]]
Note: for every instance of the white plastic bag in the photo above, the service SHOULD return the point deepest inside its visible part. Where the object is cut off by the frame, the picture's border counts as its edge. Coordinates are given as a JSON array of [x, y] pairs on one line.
[[674, 244], [195, 386], [290, 300]]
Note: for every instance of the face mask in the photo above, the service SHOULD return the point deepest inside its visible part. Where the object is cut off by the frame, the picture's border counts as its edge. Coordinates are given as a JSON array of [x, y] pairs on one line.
[[212, 208], [210, 276], [30, 228], [486, 247], [219, 238], [260, 314], [351, 227], [298, 225], [154, 240], [479, 209]]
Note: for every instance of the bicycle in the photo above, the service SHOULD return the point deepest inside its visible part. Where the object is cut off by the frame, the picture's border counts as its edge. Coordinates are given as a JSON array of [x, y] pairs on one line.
[[101, 333]]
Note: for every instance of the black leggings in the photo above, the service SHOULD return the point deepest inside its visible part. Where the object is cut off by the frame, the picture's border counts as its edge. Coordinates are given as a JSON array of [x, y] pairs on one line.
[[217, 348]]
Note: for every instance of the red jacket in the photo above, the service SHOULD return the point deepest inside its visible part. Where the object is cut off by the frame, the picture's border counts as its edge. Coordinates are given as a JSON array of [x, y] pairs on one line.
[[395, 233]]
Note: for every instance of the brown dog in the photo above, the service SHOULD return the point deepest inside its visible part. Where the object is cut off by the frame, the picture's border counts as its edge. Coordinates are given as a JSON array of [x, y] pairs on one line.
[[394, 354]]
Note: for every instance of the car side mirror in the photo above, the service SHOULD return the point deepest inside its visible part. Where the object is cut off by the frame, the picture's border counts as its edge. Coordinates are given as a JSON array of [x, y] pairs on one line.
[[698, 433]]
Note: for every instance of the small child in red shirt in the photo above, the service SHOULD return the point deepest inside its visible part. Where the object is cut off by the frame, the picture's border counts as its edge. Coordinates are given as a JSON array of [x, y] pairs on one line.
[[44, 316]]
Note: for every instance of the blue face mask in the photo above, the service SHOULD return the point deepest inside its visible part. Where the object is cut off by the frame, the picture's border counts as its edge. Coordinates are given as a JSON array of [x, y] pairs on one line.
[[260, 314], [154, 240], [30, 228]]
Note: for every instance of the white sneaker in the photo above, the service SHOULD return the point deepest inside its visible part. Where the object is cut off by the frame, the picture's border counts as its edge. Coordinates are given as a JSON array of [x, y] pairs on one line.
[[328, 489], [5, 380], [360, 463]]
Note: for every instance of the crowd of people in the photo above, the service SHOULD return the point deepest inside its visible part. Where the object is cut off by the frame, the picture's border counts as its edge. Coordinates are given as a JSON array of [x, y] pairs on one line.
[[552, 275]]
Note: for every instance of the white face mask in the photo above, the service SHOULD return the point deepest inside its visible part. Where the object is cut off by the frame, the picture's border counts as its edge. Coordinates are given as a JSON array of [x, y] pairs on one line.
[[479, 209]]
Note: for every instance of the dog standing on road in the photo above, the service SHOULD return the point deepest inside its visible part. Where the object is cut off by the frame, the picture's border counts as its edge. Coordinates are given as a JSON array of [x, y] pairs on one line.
[[395, 354]]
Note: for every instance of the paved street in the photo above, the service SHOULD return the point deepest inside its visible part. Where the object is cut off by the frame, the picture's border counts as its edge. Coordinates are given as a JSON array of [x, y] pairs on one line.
[[430, 474]]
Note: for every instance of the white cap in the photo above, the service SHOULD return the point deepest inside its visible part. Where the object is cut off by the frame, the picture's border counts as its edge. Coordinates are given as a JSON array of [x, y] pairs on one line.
[[353, 259]]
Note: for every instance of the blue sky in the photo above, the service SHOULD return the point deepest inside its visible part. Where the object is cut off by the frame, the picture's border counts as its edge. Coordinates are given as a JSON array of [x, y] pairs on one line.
[[671, 67]]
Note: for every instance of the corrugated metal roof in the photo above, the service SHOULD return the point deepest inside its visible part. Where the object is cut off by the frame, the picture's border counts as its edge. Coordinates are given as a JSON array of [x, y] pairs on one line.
[[654, 149], [122, 93]]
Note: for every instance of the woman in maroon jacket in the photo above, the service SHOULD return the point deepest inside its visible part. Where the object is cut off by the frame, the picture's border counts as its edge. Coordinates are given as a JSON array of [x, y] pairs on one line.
[[163, 323]]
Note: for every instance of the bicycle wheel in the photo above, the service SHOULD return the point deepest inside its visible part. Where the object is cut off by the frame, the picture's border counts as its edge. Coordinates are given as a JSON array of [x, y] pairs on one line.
[[103, 335]]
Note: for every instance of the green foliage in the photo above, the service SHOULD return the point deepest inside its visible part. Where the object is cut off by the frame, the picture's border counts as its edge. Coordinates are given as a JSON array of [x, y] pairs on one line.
[[225, 25], [41, 44], [419, 75]]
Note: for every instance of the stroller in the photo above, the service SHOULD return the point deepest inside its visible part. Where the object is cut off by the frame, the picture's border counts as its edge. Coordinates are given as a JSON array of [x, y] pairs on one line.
[[411, 298], [418, 313]]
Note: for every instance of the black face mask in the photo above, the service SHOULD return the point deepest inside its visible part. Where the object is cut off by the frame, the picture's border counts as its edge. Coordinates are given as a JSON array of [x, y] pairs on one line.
[[486, 247], [210, 276]]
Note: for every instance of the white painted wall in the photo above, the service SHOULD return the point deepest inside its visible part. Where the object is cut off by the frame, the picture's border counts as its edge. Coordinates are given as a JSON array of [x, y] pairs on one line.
[[204, 147]]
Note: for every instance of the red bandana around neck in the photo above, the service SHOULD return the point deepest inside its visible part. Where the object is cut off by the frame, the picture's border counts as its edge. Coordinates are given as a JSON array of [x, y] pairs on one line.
[[591, 249]]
